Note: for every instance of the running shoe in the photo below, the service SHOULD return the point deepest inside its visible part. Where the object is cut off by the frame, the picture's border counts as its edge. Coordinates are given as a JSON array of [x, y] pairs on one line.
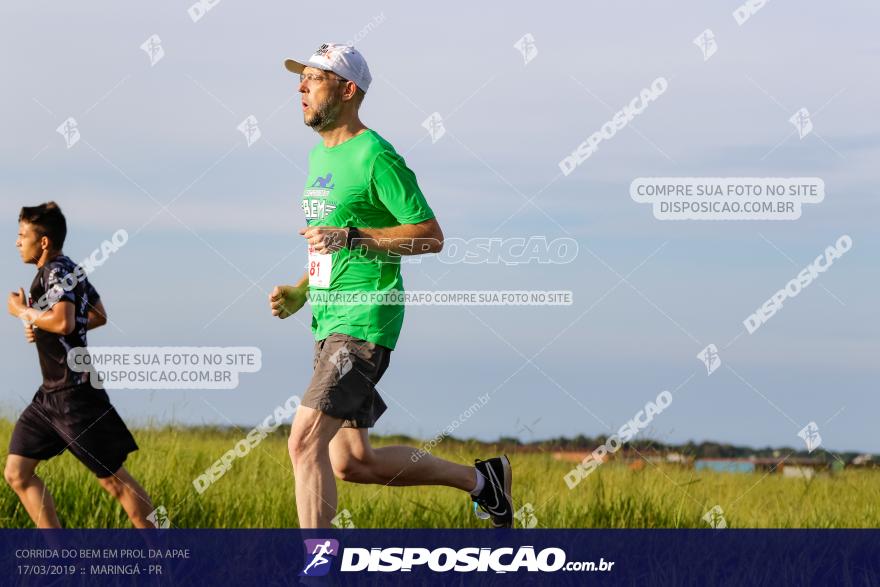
[[495, 498]]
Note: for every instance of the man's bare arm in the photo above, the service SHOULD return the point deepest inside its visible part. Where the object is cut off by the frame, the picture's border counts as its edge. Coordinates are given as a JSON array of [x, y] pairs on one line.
[[404, 239], [59, 319]]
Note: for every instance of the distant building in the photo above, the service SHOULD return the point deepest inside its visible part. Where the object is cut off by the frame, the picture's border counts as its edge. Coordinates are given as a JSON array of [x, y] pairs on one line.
[[573, 456], [792, 467], [798, 472], [863, 460], [725, 465]]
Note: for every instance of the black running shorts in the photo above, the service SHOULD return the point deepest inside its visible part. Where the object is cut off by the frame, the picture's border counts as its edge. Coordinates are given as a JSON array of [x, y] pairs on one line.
[[81, 420], [346, 371]]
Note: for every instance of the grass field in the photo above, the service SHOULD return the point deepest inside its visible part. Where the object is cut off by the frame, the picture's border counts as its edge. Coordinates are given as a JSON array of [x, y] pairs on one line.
[[258, 491]]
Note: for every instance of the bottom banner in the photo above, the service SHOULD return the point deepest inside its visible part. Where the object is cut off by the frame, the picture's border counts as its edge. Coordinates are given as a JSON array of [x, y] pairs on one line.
[[390, 557]]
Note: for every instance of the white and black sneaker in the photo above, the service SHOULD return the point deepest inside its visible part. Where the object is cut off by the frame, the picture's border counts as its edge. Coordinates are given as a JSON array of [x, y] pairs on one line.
[[495, 498]]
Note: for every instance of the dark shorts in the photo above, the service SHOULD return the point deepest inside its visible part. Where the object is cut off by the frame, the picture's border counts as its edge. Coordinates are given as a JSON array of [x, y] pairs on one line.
[[80, 420], [343, 385]]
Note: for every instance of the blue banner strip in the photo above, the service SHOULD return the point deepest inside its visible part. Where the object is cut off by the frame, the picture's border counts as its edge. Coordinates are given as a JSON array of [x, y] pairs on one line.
[[391, 557]]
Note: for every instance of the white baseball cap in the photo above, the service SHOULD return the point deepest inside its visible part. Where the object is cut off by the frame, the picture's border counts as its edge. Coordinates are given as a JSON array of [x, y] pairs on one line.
[[343, 60]]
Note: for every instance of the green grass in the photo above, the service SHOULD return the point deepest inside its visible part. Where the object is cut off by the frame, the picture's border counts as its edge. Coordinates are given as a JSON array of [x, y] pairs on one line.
[[258, 491]]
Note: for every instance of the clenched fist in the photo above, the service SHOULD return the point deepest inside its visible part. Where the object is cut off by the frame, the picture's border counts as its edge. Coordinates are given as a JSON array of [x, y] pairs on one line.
[[286, 300], [325, 239], [29, 334]]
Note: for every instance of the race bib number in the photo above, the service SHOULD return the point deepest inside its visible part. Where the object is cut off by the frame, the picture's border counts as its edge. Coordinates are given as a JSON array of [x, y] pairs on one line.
[[320, 268]]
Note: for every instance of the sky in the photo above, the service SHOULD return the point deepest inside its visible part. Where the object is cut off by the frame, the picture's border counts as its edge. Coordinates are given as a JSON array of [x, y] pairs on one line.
[[213, 221]]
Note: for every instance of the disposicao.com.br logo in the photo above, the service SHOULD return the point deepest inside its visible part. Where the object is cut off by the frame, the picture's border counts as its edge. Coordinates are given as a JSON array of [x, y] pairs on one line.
[[441, 560]]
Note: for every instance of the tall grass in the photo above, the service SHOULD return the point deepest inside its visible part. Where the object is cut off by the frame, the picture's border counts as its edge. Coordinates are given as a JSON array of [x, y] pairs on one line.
[[258, 491]]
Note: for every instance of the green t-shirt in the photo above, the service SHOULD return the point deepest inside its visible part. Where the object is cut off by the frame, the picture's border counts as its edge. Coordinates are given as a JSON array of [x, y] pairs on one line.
[[364, 183]]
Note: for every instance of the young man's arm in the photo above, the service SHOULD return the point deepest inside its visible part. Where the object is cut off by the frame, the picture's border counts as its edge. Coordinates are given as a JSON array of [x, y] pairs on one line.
[[97, 316], [404, 239], [288, 299], [59, 319]]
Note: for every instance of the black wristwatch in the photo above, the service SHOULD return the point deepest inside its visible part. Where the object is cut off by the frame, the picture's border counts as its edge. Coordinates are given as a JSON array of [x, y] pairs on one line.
[[352, 234]]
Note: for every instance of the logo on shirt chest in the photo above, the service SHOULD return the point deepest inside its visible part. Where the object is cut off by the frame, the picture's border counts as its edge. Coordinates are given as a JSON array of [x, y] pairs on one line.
[[324, 182], [314, 203], [317, 208]]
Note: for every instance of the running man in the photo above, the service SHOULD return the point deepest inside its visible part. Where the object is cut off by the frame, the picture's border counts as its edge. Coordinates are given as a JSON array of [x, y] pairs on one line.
[[363, 208], [66, 412]]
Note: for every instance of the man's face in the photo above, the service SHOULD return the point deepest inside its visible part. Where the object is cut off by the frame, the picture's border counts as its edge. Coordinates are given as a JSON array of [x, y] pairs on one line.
[[321, 98], [29, 243]]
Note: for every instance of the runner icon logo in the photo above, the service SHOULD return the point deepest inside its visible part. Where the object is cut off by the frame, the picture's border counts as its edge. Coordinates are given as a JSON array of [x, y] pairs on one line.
[[710, 358], [342, 360], [320, 553], [810, 435], [159, 518]]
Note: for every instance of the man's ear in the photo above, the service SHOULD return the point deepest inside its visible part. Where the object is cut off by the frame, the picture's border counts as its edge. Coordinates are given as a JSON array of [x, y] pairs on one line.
[[44, 243], [351, 96]]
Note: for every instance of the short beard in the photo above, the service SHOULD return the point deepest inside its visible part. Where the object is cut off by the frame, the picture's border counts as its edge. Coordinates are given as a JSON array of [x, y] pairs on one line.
[[324, 114]]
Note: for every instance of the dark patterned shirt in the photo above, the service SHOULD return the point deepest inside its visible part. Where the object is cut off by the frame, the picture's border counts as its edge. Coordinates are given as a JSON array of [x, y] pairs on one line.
[[56, 281]]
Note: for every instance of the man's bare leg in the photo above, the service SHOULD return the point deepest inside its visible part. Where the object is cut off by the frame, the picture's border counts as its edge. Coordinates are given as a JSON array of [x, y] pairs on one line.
[[20, 473], [134, 500], [355, 460], [309, 448]]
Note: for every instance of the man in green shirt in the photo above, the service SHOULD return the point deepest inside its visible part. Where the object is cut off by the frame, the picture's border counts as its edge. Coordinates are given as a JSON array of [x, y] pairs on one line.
[[364, 209]]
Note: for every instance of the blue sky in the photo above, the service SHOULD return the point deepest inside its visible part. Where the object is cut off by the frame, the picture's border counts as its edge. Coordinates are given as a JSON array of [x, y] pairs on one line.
[[198, 273]]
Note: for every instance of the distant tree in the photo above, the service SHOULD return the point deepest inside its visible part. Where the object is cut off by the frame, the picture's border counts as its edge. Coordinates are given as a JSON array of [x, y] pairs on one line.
[[509, 440]]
